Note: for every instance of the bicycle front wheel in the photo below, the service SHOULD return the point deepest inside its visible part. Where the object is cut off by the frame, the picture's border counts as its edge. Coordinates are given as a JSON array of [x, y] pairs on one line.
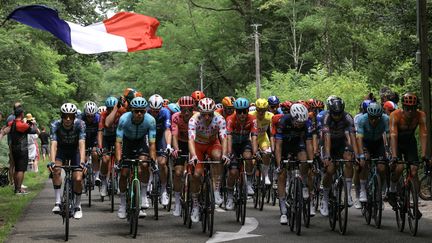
[[169, 188], [401, 207], [209, 206], [112, 188], [243, 197], [342, 206], [298, 205], [89, 185], [377, 201], [135, 207], [332, 208], [425, 192], [412, 208], [155, 195], [66, 208], [256, 186]]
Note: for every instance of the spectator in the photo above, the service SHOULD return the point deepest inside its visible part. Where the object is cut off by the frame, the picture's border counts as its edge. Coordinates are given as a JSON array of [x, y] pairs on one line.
[[44, 137], [32, 145]]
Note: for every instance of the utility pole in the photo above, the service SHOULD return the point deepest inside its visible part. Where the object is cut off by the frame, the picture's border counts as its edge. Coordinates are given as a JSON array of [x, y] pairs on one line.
[[201, 78], [422, 30], [257, 62]]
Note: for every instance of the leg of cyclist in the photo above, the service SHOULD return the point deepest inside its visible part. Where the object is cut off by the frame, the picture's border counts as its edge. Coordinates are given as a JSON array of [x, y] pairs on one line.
[[348, 173], [77, 180], [215, 152], [163, 168], [105, 168], [281, 151], [266, 163], [304, 170], [178, 176], [96, 166], [233, 175], [195, 190], [363, 176], [57, 182], [144, 172], [247, 154]]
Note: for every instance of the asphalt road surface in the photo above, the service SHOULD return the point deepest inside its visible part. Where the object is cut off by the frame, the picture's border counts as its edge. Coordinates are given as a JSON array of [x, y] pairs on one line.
[[100, 225]]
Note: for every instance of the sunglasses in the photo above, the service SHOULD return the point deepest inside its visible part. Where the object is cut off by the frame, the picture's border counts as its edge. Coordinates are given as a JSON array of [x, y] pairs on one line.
[[70, 116], [261, 110], [374, 118], [207, 114], [274, 106], [242, 111], [139, 111]]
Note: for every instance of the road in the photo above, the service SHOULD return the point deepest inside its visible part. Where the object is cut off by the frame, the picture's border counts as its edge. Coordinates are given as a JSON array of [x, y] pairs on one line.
[[100, 225]]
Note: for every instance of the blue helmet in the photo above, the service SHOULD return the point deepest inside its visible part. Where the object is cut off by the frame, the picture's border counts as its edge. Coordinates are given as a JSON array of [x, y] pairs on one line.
[[273, 100], [241, 103], [365, 104], [138, 103], [173, 107], [110, 102]]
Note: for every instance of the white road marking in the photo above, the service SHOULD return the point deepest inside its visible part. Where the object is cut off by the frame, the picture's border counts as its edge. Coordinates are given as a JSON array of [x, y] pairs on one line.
[[250, 225]]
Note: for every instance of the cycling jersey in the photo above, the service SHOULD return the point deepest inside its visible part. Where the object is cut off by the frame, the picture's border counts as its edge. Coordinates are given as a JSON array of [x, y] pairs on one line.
[[204, 133], [337, 129], [368, 132], [222, 112], [163, 120], [241, 131], [127, 129], [275, 121], [320, 119], [179, 127], [92, 128], [263, 125], [286, 129], [68, 138], [111, 130]]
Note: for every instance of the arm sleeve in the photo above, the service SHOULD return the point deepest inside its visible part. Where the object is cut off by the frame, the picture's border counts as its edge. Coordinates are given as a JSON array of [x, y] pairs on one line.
[[192, 128], [279, 128], [222, 128], [350, 124], [101, 125], [174, 125], [360, 127]]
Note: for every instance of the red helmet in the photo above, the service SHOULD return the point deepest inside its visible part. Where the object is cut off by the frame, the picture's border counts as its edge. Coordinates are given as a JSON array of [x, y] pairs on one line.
[[305, 103], [198, 95], [316, 104], [206, 105], [286, 105], [186, 101], [389, 105], [409, 99]]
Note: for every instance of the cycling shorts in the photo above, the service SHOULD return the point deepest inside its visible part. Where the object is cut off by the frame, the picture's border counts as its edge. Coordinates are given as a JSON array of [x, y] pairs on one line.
[[206, 149], [375, 148], [64, 154], [407, 148], [238, 149], [263, 142], [132, 149], [108, 142], [183, 146], [161, 144], [339, 147], [292, 147]]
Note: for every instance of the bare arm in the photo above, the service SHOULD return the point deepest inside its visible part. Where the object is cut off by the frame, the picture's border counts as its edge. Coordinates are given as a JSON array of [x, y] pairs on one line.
[[53, 152], [82, 149]]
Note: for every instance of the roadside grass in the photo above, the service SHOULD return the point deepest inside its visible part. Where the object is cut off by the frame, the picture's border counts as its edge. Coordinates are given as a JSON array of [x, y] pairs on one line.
[[12, 206]]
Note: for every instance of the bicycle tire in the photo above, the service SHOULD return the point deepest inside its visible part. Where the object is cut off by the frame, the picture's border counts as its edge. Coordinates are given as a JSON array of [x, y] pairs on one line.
[[378, 202], [425, 192], [412, 208], [306, 212], [263, 189], [244, 199], [256, 186], [89, 185], [332, 208], [185, 200], [290, 199], [317, 192], [66, 216], [211, 208], [343, 206], [368, 207], [269, 188], [112, 188], [237, 198], [169, 188], [135, 207], [203, 203], [298, 205], [274, 196], [400, 208], [155, 195]]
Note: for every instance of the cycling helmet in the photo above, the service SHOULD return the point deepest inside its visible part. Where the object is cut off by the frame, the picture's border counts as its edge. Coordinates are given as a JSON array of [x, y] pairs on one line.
[[186, 101], [299, 112], [198, 95], [409, 99], [337, 105], [111, 101], [156, 102], [286, 105], [252, 108], [173, 107], [241, 103], [68, 108], [138, 103], [102, 109], [316, 104], [206, 105], [329, 99], [273, 100], [261, 103], [90, 108], [219, 106], [365, 104], [389, 105], [305, 103], [165, 102], [374, 109], [228, 101]]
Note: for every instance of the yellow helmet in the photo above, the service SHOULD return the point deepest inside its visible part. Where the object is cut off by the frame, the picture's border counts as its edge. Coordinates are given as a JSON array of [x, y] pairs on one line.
[[228, 101], [261, 103]]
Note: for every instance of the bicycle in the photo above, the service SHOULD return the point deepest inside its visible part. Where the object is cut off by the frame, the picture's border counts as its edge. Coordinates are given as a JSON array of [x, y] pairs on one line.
[[89, 181], [374, 205], [316, 184], [407, 200], [259, 186], [296, 204], [67, 206], [113, 183], [206, 199], [240, 191], [272, 193], [338, 198], [133, 192], [425, 192]]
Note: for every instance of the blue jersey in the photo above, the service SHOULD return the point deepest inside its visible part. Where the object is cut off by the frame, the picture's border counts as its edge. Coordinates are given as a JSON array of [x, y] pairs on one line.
[[127, 129], [163, 121], [92, 127], [370, 133], [286, 129], [68, 138], [320, 119]]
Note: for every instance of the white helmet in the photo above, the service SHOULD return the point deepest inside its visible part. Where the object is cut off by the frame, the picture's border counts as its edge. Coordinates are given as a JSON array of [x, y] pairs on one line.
[[90, 108], [299, 112], [156, 102], [102, 109], [68, 108], [206, 105], [252, 108]]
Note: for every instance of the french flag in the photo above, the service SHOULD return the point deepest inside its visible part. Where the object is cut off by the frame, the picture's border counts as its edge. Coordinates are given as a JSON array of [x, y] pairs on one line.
[[123, 32]]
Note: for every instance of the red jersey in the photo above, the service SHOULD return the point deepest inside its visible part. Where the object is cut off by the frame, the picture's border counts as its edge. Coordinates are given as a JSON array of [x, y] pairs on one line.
[[241, 130]]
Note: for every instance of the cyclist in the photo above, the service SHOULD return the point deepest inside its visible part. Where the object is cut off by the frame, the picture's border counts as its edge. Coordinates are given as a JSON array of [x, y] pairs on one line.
[[173, 108], [179, 128], [339, 142], [274, 105], [389, 107], [290, 140], [68, 138], [91, 119], [265, 143], [370, 129], [203, 130], [133, 130], [197, 96], [163, 140], [403, 124], [106, 141], [242, 133], [101, 109], [122, 104], [228, 106]]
